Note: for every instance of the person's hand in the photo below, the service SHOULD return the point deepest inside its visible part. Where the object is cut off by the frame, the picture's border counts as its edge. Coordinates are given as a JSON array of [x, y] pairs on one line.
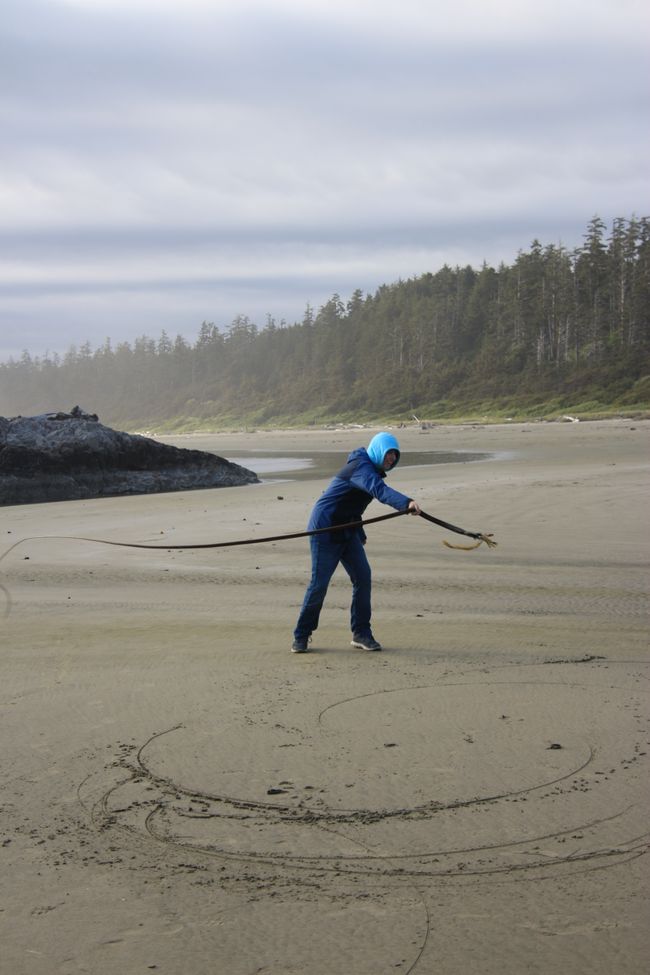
[[414, 508]]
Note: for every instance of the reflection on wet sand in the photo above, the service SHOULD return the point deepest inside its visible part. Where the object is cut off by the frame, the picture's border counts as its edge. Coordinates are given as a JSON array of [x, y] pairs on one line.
[[312, 465]]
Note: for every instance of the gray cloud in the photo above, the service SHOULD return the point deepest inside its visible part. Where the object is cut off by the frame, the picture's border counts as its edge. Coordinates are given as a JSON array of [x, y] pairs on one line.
[[163, 165]]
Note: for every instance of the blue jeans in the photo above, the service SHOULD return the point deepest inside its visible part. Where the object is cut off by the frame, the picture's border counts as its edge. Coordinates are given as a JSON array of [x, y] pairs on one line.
[[325, 556]]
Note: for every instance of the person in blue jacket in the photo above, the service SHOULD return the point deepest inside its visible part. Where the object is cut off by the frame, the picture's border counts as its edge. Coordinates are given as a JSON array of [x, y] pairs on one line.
[[345, 500]]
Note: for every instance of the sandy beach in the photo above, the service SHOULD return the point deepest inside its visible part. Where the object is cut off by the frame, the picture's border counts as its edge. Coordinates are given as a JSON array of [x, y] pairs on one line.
[[181, 794]]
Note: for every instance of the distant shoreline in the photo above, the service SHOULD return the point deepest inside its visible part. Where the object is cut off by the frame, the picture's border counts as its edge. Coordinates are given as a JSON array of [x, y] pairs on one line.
[[165, 431]]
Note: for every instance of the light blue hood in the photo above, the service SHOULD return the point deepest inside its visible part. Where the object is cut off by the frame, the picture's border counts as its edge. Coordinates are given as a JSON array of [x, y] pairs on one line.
[[379, 446]]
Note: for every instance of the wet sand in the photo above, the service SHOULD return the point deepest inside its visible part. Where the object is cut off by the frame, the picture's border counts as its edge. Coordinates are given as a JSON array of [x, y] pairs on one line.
[[181, 794]]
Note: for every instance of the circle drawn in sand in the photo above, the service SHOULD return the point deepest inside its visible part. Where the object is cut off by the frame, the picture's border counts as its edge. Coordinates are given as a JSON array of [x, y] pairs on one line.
[[446, 780]]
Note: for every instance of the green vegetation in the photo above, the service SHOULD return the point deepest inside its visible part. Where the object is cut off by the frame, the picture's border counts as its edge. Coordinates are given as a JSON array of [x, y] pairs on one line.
[[555, 333]]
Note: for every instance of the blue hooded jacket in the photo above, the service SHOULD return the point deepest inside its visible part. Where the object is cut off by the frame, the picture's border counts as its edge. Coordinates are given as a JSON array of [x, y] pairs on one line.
[[353, 488]]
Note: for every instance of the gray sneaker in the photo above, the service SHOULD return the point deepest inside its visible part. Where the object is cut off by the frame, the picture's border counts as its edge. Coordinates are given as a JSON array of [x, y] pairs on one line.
[[366, 642], [300, 644]]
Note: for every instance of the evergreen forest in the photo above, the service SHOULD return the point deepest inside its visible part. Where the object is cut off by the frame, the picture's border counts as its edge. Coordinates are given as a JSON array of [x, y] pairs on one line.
[[556, 332]]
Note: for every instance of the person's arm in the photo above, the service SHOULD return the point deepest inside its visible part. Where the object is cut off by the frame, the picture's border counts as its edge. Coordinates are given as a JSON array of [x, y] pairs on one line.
[[367, 478]]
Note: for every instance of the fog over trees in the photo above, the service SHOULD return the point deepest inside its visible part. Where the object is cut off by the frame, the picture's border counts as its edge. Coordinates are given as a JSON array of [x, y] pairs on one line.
[[557, 327]]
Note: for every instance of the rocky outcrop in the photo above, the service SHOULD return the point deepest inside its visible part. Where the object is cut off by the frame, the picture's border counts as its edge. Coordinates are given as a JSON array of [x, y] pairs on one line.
[[66, 456]]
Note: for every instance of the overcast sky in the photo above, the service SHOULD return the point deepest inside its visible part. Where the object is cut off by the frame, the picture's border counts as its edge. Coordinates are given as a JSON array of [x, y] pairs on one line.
[[165, 162]]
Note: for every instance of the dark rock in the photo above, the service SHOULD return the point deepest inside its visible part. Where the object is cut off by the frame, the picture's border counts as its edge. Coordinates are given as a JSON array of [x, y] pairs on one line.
[[70, 456]]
